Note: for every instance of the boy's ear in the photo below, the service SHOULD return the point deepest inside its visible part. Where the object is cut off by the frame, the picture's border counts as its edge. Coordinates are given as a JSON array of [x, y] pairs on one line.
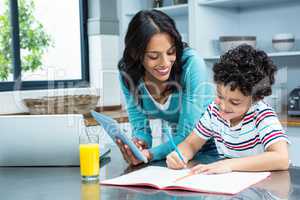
[[256, 98]]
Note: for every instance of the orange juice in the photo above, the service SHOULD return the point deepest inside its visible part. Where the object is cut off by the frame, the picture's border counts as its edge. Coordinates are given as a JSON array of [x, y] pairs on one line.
[[89, 159]]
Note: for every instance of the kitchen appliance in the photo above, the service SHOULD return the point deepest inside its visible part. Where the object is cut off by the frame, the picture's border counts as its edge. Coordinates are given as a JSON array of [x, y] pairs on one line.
[[294, 102]]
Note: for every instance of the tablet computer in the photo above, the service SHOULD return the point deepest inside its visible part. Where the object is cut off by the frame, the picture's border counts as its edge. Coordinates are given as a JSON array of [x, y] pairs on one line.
[[111, 127]]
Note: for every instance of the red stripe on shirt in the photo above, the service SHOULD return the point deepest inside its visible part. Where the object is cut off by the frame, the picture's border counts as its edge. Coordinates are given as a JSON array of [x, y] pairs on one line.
[[266, 139], [260, 118], [203, 130], [248, 118]]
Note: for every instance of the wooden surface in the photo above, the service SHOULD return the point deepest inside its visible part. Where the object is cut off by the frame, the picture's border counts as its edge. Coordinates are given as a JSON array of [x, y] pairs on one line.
[[290, 121], [121, 116]]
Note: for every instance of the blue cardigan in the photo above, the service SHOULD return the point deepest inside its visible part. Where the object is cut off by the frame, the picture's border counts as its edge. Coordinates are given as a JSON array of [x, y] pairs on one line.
[[185, 109]]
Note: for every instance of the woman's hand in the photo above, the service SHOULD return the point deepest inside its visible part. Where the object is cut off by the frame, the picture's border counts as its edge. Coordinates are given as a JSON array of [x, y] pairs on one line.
[[174, 162], [219, 167], [128, 155]]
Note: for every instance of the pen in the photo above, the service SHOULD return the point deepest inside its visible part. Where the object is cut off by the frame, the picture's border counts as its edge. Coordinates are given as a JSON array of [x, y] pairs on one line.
[[175, 147], [183, 177]]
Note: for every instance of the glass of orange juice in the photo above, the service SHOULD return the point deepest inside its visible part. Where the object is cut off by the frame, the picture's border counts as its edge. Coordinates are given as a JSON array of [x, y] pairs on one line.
[[89, 156]]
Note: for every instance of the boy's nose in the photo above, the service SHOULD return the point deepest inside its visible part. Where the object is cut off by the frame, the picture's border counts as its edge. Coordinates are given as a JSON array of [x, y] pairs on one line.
[[222, 107], [221, 104]]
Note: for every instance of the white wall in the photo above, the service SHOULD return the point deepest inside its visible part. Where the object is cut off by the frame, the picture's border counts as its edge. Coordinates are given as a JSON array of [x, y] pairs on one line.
[[104, 57]]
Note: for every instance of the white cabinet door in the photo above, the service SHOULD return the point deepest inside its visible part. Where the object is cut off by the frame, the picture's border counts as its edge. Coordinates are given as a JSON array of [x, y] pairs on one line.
[[294, 147]]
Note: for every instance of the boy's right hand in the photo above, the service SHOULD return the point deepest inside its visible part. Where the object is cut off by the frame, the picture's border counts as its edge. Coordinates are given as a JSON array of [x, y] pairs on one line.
[[174, 162]]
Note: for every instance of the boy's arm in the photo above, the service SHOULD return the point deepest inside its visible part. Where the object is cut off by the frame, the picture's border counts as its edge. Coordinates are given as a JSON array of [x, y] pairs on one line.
[[273, 139], [191, 145], [275, 158], [188, 148]]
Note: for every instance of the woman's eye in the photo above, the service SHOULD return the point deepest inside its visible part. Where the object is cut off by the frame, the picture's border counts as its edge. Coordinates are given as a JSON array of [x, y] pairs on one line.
[[172, 51], [152, 56]]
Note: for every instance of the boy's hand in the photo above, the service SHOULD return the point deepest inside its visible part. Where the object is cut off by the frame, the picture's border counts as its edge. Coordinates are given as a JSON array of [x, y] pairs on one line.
[[219, 167], [174, 162]]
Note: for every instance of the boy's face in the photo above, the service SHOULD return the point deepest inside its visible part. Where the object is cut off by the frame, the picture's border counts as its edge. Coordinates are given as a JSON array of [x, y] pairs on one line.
[[233, 104]]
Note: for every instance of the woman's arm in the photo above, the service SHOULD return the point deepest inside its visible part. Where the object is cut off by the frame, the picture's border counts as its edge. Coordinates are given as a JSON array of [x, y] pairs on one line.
[[138, 120], [141, 131]]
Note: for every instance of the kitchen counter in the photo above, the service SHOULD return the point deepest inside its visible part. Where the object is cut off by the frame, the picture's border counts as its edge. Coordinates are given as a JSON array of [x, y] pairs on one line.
[[121, 116], [49, 183]]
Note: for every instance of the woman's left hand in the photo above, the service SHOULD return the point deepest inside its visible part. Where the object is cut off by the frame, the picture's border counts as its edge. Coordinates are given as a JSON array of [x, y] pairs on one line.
[[128, 154], [219, 167]]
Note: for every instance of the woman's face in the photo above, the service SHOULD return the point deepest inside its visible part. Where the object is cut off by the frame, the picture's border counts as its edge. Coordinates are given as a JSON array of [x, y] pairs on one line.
[[159, 57]]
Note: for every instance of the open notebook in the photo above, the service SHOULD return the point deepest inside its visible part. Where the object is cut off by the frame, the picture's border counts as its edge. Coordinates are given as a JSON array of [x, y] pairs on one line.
[[168, 179]]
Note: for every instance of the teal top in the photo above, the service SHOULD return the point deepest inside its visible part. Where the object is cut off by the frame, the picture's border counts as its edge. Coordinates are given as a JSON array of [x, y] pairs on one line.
[[185, 106]]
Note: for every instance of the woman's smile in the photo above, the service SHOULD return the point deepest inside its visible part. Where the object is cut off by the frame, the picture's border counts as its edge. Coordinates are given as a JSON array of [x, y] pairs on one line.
[[162, 71]]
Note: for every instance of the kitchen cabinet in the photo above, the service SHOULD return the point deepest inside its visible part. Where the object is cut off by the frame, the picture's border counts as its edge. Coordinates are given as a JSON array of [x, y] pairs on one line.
[[201, 22], [180, 13], [261, 18], [293, 133]]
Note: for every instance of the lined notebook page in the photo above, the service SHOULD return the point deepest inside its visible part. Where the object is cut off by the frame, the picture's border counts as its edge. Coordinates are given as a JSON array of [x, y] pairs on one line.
[[154, 175], [164, 178], [233, 182]]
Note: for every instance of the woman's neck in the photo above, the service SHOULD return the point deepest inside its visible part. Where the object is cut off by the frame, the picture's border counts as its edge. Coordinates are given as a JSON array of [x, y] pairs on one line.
[[156, 88]]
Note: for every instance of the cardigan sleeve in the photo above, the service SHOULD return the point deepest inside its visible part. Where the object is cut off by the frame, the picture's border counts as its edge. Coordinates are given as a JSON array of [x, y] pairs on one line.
[[139, 121]]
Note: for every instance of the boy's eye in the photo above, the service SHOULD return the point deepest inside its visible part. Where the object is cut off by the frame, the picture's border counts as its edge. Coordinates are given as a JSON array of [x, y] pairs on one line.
[[235, 103]]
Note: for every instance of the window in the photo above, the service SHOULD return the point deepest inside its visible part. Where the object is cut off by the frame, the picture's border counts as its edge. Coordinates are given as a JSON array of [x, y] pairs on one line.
[[43, 45], [5, 47]]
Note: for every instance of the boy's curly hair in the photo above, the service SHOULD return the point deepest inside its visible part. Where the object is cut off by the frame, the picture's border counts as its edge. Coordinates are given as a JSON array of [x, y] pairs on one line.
[[248, 69]]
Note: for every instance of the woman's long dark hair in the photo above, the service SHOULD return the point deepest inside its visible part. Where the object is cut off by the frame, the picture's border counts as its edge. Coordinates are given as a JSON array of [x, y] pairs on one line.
[[142, 27]]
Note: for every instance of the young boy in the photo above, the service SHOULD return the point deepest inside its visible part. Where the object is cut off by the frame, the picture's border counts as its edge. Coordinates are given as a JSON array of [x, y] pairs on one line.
[[246, 130]]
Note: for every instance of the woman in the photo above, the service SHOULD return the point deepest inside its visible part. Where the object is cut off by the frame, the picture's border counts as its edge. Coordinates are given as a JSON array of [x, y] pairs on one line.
[[161, 78]]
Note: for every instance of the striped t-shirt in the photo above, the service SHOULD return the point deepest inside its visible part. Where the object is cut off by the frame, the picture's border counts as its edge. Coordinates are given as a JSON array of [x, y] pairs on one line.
[[258, 129]]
